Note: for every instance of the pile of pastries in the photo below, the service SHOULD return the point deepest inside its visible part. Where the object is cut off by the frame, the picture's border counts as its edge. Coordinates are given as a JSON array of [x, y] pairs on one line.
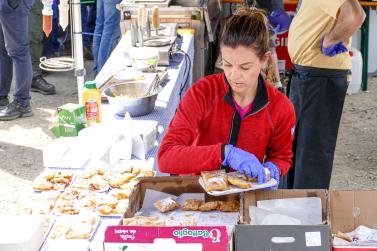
[[219, 180], [168, 204], [57, 180], [74, 227]]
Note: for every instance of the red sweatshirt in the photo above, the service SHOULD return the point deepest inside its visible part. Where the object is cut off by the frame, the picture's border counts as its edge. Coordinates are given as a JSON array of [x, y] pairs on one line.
[[206, 120]]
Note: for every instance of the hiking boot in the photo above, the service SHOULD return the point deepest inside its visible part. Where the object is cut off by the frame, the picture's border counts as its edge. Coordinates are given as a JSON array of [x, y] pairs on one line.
[[39, 84], [15, 110], [4, 101]]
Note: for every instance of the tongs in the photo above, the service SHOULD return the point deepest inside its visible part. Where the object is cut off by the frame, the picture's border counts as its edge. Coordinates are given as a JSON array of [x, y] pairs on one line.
[[152, 88]]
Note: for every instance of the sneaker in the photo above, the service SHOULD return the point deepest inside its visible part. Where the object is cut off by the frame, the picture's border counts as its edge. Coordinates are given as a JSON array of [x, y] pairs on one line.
[[39, 84], [14, 110], [4, 101]]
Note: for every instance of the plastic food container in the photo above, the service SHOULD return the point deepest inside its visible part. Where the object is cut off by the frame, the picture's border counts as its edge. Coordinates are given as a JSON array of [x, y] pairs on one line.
[[144, 59]]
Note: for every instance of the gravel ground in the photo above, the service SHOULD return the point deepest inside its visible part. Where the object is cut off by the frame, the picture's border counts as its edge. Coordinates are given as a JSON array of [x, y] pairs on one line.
[[22, 142]]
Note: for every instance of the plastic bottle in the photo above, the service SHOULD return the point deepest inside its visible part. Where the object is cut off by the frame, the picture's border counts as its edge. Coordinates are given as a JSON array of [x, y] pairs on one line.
[[91, 99], [63, 14], [47, 17]]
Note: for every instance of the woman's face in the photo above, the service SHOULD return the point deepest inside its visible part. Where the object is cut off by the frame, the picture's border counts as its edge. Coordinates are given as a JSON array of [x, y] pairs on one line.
[[242, 67]]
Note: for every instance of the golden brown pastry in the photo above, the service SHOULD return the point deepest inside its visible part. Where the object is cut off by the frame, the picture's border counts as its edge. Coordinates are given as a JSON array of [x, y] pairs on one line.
[[143, 221], [105, 209], [136, 170], [268, 176], [121, 207], [166, 205], [79, 231], [215, 180], [209, 206], [229, 206], [238, 179], [147, 173], [120, 194], [192, 205], [42, 185]]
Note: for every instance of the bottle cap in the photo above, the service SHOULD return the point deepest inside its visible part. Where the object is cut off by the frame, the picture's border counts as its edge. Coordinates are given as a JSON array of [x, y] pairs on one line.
[[90, 85]]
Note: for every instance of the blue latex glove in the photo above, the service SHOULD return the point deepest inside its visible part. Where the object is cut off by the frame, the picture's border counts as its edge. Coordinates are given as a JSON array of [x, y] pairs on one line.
[[334, 49], [274, 173], [244, 162], [279, 21]]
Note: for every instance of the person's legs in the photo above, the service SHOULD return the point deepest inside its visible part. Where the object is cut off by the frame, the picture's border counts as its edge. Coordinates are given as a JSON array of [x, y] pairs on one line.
[[6, 69], [111, 32], [15, 33], [39, 84], [318, 102], [92, 17], [36, 36], [98, 35], [84, 24], [15, 30]]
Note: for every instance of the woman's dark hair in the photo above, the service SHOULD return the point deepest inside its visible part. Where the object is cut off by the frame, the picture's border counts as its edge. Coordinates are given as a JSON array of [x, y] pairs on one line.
[[247, 27]]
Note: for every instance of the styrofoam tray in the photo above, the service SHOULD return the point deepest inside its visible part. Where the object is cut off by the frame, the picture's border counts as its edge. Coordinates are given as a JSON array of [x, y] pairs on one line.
[[234, 189]]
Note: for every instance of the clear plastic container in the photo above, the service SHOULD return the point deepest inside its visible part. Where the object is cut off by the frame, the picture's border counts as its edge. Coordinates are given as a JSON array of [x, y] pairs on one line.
[[91, 99]]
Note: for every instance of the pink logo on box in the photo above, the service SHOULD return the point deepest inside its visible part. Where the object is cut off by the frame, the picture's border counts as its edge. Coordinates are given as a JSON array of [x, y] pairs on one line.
[[214, 234]]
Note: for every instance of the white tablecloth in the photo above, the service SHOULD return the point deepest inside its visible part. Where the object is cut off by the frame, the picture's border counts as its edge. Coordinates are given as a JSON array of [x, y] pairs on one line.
[[168, 98], [166, 104]]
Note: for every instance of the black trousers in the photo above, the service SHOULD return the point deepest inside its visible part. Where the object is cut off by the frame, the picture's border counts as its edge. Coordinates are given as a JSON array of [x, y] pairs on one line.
[[318, 97]]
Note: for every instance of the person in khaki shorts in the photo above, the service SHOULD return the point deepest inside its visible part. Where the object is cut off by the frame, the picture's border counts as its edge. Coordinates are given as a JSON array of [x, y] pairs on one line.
[[318, 39]]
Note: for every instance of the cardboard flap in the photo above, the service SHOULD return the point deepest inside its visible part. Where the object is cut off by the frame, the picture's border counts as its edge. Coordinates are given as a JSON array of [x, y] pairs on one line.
[[350, 209], [251, 198]]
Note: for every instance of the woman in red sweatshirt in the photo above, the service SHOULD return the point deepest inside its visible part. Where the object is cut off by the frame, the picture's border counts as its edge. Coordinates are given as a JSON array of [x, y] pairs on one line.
[[233, 120]]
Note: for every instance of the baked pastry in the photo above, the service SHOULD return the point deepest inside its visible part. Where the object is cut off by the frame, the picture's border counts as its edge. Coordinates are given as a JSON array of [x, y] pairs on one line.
[[79, 230], [123, 179], [209, 206], [229, 206], [215, 180], [238, 179], [268, 176], [192, 205], [120, 194], [105, 209], [166, 205], [147, 173], [143, 221], [121, 207], [42, 185]]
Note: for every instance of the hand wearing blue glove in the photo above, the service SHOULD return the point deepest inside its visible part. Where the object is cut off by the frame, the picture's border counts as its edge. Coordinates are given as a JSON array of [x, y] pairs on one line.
[[274, 173], [279, 21], [244, 162], [334, 49]]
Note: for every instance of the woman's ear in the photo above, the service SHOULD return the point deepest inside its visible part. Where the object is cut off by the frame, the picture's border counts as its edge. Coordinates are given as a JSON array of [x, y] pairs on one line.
[[266, 57]]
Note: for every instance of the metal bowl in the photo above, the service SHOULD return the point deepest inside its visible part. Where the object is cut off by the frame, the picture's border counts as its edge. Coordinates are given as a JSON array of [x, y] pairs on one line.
[[129, 97]]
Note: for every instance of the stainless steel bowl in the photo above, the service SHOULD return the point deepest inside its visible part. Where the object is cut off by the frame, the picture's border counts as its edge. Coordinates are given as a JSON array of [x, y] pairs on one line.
[[129, 97]]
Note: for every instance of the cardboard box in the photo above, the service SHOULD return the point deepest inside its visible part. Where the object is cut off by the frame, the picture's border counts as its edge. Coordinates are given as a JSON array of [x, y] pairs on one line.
[[166, 238], [211, 238], [282, 238], [350, 209], [72, 118]]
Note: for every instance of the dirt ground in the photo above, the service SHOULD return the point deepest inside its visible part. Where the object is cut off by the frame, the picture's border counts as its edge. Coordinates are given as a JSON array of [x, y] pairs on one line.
[[22, 141]]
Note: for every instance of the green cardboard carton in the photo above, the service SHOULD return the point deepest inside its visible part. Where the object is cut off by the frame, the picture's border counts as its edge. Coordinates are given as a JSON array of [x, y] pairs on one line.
[[72, 119]]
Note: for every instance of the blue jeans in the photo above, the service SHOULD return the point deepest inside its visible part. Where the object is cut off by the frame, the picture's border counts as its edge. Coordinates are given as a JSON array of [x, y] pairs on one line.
[[88, 20], [107, 32], [14, 49]]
